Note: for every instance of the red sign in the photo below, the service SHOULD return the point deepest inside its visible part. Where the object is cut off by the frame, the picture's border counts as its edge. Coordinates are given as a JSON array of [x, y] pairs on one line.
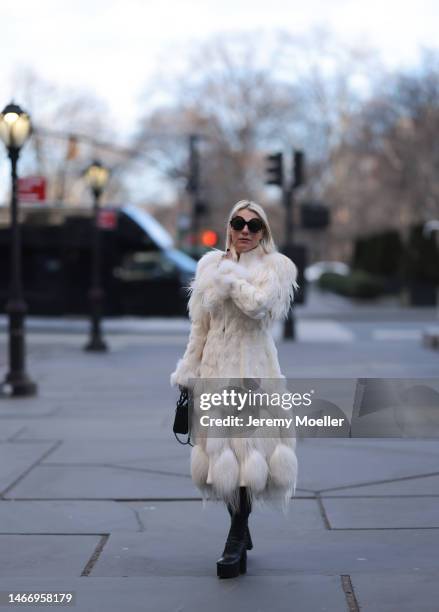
[[107, 219], [32, 189]]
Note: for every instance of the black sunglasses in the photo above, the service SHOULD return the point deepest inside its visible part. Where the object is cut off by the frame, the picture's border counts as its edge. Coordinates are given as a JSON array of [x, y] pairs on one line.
[[254, 225]]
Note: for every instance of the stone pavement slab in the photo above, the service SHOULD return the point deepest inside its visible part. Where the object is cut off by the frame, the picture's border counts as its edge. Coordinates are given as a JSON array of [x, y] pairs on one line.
[[116, 409], [16, 458], [416, 591], [357, 359], [418, 486], [45, 555], [383, 513], [19, 408], [164, 516], [347, 552], [396, 445], [158, 452], [91, 482], [92, 429], [185, 552], [156, 455], [323, 467], [52, 517], [107, 483], [9, 429], [314, 593]]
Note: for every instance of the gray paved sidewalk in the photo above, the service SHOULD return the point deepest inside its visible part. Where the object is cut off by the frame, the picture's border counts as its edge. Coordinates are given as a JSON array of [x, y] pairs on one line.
[[96, 497]]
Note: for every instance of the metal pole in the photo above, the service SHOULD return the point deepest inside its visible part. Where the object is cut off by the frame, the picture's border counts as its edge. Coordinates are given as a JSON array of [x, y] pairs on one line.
[[96, 294], [193, 186], [17, 382], [288, 197]]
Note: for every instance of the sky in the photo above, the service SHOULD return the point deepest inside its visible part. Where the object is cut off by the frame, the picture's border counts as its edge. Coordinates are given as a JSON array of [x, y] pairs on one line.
[[111, 47]]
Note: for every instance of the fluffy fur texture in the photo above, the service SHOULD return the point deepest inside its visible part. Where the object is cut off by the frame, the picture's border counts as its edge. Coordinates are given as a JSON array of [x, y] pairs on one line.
[[283, 463], [232, 306], [225, 472], [255, 471], [199, 466]]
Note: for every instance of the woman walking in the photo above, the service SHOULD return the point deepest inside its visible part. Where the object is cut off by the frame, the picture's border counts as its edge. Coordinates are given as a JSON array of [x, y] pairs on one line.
[[235, 298]]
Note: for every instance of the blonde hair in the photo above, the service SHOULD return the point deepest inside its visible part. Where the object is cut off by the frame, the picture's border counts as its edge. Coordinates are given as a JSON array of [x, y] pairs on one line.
[[267, 242]]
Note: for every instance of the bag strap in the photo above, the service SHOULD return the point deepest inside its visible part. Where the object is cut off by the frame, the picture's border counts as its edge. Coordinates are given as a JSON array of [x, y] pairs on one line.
[[188, 439]]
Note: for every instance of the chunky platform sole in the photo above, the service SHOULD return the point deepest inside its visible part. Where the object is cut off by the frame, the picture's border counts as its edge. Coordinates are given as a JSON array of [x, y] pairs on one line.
[[232, 570]]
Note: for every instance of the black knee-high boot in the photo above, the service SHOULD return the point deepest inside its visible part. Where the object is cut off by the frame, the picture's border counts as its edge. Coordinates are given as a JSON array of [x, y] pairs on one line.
[[234, 558], [249, 542]]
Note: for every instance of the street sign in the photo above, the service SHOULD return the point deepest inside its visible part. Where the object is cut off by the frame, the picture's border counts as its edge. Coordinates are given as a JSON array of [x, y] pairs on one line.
[[32, 189]]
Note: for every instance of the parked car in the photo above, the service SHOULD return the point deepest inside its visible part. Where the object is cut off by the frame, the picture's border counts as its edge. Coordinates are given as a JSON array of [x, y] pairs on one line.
[[149, 280], [315, 270], [142, 271]]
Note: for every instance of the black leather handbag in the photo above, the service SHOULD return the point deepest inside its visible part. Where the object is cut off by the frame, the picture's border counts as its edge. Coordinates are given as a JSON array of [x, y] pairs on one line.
[[181, 420]]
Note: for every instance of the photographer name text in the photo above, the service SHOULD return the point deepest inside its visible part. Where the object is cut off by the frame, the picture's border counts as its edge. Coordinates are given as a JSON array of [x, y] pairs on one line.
[[304, 421]]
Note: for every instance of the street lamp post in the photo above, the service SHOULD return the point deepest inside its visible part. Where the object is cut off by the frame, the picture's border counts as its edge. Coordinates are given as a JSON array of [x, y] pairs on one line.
[[96, 177], [15, 129]]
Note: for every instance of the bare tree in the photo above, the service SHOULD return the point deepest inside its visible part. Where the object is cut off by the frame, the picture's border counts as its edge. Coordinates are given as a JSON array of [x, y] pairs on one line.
[[239, 108], [249, 95], [68, 129], [385, 170]]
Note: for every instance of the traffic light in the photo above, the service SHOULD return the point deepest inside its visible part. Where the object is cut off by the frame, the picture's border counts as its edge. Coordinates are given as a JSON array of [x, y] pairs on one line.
[[274, 169], [299, 169], [209, 238]]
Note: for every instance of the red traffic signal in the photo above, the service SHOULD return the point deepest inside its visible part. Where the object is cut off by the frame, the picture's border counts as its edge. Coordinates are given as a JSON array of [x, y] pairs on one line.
[[209, 238]]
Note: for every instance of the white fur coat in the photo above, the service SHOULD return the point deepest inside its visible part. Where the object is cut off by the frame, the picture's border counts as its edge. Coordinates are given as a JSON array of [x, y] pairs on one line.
[[232, 307]]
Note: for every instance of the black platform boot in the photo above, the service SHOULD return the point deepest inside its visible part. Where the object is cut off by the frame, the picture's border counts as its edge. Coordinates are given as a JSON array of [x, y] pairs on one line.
[[234, 558], [248, 538]]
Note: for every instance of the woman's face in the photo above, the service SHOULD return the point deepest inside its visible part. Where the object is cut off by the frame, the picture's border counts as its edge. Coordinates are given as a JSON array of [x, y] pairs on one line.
[[244, 240]]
